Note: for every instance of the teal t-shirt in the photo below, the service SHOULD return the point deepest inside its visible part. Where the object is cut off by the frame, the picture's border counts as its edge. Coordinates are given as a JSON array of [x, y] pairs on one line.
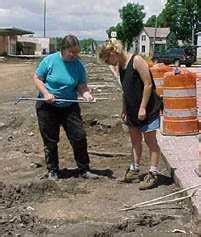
[[60, 77]]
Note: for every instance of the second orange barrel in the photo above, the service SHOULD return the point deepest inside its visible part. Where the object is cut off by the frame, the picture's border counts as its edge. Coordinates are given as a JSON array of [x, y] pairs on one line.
[[197, 72], [198, 77], [158, 71], [180, 108]]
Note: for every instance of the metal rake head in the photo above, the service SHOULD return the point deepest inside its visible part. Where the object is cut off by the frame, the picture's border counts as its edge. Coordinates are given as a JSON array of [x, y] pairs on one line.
[[18, 99]]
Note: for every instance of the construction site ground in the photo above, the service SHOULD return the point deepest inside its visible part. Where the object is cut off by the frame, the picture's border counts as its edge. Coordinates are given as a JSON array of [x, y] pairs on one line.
[[31, 205]]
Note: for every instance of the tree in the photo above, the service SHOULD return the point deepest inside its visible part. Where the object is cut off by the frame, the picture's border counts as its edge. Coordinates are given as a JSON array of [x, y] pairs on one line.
[[182, 16], [120, 32], [87, 45], [172, 40], [191, 18], [151, 22], [132, 16], [161, 21], [112, 28]]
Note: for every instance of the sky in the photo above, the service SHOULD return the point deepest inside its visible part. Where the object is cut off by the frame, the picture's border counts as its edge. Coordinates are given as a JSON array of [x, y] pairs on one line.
[[83, 18]]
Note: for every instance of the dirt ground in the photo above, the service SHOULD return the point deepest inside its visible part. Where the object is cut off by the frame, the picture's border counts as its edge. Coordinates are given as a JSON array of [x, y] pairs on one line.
[[30, 205]]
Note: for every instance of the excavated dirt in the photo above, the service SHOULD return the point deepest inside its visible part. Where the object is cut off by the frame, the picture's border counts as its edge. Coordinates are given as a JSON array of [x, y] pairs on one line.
[[31, 205]]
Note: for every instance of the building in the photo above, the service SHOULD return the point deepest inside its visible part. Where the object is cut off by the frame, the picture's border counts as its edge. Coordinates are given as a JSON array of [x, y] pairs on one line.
[[34, 45], [8, 39], [151, 39]]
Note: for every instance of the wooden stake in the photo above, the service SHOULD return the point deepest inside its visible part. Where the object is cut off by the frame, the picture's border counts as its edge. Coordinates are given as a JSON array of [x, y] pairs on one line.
[[161, 202], [159, 198]]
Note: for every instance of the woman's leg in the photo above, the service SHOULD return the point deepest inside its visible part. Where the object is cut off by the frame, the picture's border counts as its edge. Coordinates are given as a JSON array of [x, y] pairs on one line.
[[49, 125], [151, 179], [151, 141], [136, 140], [73, 126], [132, 173]]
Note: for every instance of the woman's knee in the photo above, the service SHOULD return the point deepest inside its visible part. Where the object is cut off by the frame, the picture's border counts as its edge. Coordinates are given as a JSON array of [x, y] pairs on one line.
[[136, 137], [152, 143]]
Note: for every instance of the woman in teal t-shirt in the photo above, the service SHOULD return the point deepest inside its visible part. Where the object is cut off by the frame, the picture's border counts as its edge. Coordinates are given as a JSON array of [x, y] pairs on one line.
[[62, 75]]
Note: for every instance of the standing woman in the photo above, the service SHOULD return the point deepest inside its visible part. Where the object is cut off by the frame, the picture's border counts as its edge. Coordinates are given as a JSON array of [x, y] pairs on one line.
[[141, 108], [62, 75]]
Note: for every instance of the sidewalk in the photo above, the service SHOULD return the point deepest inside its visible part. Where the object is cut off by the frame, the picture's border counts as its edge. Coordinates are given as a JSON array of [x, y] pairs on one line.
[[181, 154]]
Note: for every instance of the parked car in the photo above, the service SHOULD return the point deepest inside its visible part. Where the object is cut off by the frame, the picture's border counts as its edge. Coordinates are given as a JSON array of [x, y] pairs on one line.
[[175, 56]]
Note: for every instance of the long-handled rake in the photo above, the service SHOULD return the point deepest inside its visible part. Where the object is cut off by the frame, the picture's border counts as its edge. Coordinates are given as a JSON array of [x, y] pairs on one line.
[[19, 99]]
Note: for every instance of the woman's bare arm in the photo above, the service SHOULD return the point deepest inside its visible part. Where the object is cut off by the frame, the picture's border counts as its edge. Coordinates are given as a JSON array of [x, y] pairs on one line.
[[142, 68], [38, 82]]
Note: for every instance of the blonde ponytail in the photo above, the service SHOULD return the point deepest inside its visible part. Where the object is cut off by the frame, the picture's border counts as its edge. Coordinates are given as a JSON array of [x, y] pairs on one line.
[[108, 47]]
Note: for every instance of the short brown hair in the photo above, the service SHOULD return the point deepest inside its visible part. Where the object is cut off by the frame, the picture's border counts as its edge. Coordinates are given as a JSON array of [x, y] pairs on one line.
[[69, 41]]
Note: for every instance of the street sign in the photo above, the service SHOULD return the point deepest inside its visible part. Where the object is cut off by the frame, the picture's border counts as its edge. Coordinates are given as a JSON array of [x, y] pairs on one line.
[[113, 34]]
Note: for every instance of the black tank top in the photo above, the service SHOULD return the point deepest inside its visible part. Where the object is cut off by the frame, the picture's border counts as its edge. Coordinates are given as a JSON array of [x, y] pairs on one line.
[[133, 88]]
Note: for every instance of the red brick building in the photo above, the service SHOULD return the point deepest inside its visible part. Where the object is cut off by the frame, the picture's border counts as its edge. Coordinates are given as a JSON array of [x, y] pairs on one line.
[[8, 39]]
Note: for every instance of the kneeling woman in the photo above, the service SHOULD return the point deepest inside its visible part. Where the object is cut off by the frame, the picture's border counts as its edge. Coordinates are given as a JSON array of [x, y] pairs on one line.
[[141, 107]]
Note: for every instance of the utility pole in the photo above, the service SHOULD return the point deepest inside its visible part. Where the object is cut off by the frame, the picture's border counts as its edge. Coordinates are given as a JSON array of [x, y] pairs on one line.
[[195, 9], [193, 33], [44, 19], [156, 23]]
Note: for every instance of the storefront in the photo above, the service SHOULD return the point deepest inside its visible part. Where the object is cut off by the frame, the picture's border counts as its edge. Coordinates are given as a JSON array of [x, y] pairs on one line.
[[8, 40]]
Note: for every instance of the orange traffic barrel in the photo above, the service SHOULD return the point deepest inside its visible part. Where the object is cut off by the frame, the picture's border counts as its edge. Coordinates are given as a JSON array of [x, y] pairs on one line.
[[180, 104], [158, 70], [197, 72], [198, 81]]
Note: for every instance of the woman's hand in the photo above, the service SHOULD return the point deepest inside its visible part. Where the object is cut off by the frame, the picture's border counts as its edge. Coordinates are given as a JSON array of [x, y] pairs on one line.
[[87, 96], [85, 92], [49, 98], [142, 113]]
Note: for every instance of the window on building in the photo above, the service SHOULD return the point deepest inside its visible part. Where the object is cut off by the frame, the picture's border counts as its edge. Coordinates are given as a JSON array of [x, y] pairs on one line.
[[143, 48], [143, 37]]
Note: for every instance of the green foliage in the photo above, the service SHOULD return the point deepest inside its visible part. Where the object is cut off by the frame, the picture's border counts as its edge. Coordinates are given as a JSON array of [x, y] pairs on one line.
[[172, 41], [151, 22], [190, 50], [120, 32], [88, 45], [112, 28], [161, 20], [55, 44], [181, 16], [59, 41], [132, 16]]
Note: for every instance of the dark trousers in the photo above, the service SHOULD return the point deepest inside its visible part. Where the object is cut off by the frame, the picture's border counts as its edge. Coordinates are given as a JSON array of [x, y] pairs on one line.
[[50, 119]]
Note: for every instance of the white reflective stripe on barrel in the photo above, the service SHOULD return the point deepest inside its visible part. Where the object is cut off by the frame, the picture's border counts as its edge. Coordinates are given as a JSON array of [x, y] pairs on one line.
[[180, 112], [179, 92], [158, 82]]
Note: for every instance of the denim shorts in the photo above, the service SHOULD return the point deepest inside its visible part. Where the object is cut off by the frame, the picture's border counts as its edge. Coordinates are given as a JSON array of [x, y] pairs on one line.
[[152, 125]]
